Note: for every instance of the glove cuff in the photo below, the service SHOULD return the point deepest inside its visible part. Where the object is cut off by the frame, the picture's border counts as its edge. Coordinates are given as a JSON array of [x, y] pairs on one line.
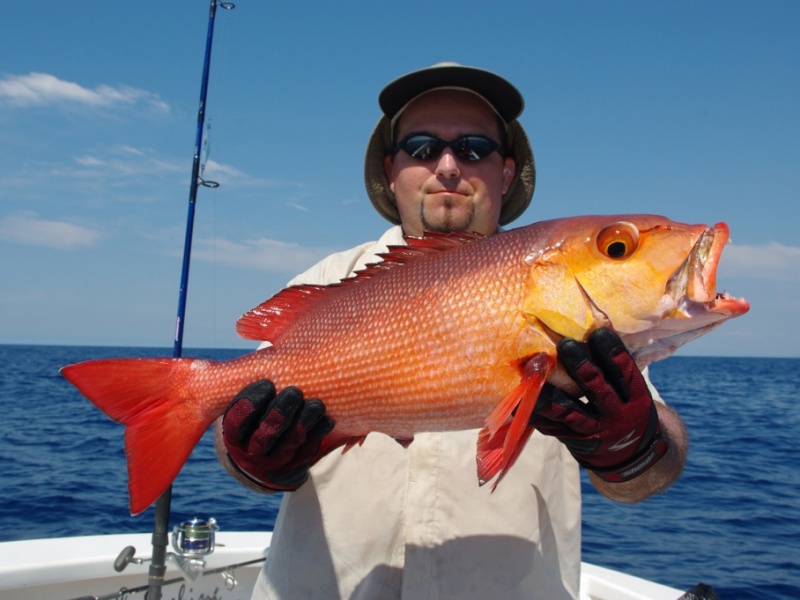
[[638, 465], [267, 488]]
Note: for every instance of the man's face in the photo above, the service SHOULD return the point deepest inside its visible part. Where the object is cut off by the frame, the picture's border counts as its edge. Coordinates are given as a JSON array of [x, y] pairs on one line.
[[447, 192]]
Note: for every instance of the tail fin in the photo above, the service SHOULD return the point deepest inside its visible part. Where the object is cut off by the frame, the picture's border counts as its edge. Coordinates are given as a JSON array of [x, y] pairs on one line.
[[162, 421]]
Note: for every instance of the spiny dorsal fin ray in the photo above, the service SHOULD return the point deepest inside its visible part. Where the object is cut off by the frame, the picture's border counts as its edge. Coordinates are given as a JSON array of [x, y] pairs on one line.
[[270, 319]]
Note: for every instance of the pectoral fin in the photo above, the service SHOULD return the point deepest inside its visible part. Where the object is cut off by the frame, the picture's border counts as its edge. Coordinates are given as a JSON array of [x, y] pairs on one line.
[[508, 426]]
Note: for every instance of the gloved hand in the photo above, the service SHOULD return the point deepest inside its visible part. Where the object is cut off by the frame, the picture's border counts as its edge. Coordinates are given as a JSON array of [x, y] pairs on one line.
[[272, 438], [616, 431]]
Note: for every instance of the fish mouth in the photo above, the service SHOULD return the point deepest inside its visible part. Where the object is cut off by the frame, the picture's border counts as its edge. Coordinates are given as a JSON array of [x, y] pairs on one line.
[[691, 301], [693, 286]]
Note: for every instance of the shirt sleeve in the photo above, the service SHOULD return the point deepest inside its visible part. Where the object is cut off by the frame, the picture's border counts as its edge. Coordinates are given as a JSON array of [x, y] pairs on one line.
[[653, 391], [341, 265]]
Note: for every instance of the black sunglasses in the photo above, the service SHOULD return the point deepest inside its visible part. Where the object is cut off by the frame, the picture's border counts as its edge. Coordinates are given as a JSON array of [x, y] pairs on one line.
[[427, 147]]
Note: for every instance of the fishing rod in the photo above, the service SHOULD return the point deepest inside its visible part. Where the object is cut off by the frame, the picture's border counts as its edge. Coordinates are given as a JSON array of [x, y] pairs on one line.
[[160, 539]]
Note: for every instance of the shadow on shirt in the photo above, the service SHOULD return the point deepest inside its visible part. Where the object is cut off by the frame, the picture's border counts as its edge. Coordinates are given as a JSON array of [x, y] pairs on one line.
[[469, 567]]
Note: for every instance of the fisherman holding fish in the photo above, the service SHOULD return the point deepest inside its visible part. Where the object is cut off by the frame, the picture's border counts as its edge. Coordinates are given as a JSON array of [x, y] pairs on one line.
[[408, 520]]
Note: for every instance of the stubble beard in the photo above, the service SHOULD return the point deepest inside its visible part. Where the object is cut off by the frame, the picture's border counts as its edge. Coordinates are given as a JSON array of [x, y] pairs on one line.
[[452, 221]]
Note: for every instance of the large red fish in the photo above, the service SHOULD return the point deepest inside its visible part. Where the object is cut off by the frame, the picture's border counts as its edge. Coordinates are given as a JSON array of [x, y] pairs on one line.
[[450, 332]]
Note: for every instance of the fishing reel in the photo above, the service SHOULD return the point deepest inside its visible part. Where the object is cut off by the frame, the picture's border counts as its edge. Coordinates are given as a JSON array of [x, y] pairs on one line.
[[191, 540], [194, 537]]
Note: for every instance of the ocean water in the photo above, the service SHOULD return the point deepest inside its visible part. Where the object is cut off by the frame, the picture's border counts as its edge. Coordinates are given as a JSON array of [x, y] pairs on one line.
[[732, 521]]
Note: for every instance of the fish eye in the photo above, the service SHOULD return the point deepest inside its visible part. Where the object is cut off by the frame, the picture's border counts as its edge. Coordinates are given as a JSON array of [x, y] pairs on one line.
[[618, 240]]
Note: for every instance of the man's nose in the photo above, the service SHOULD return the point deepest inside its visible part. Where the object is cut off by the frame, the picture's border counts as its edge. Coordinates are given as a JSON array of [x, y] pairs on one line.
[[447, 166]]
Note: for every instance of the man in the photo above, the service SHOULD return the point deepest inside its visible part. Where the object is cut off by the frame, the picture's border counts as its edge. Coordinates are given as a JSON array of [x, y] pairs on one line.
[[385, 521]]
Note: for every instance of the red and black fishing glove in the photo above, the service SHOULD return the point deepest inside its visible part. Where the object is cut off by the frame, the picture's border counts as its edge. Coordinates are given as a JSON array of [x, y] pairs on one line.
[[272, 438], [614, 430]]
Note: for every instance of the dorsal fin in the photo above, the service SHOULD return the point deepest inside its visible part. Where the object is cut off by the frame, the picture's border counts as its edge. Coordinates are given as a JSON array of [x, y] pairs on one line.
[[442, 241], [270, 319], [430, 243]]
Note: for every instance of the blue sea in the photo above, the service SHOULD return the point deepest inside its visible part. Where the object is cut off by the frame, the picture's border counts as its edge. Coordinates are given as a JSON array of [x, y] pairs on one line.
[[732, 521]]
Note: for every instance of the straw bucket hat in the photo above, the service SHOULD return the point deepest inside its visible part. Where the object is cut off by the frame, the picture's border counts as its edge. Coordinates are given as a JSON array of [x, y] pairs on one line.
[[503, 97]]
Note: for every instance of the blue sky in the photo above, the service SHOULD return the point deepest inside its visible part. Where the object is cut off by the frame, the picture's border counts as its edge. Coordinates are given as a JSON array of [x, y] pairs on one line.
[[687, 109]]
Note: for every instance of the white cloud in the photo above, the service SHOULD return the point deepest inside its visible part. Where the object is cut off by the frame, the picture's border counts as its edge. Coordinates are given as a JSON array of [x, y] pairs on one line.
[[221, 173], [38, 89], [27, 228], [297, 206], [131, 150], [260, 254], [120, 162], [89, 161], [225, 174], [772, 260]]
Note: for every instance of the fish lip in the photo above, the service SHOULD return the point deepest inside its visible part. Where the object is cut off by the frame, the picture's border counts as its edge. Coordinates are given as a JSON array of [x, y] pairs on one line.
[[693, 287], [696, 279], [703, 270]]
